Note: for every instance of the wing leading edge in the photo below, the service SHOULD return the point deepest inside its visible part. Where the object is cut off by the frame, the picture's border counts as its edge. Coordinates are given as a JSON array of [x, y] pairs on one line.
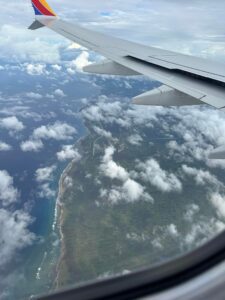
[[192, 80]]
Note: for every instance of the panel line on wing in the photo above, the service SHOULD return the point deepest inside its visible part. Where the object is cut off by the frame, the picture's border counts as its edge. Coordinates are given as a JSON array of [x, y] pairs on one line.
[[191, 68], [176, 71]]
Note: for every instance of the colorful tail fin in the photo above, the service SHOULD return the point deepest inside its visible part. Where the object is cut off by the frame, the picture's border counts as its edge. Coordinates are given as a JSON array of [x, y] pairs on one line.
[[41, 8]]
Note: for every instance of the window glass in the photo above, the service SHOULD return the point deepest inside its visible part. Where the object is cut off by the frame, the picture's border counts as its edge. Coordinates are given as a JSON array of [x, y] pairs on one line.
[[92, 186]]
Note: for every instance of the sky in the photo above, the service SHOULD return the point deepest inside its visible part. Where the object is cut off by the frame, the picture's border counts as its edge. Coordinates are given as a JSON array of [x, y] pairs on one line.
[[192, 27]]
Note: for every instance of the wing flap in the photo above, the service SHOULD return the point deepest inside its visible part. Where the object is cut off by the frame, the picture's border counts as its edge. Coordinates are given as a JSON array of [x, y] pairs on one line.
[[193, 65], [165, 96], [109, 68]]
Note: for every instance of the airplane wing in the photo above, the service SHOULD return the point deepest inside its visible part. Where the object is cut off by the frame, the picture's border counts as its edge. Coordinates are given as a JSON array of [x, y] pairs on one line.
[[186, 80]]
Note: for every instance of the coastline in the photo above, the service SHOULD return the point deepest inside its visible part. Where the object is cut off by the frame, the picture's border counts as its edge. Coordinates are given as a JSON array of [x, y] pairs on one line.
[[59, 214], [59, 220]]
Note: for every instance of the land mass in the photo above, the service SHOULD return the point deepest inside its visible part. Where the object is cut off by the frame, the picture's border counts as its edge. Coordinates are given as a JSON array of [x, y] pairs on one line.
[[102, 237]]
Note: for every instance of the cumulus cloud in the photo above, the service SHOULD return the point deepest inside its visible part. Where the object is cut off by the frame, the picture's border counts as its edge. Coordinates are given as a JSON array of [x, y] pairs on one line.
[[218, 201], [36, 69], [5, 147], [129, 190], [135, 139], [8, 193], [68, 181], [102, 132], [200, 232], [201, 177], [57, 131], [133, 189], [44, 174], [56, 67], [172, 230], [45, 191], [191, 211], [68, 152], [197, 138], [14, 234], [12, 124], [81, 61], [31, 146], [194, 139], [110, 168], [33, 95], [150, 171], [59, 93]]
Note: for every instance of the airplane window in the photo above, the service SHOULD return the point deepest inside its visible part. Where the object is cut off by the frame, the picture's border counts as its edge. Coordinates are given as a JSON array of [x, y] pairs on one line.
[[108, 166]]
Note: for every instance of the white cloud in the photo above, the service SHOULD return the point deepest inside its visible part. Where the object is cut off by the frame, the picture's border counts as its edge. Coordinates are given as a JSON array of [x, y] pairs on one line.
[[191, 211], [150, 171], [14, 234], [68, 152], [31, 146], [110, 168], [5, 147], [200, 232], [201, 177], [45, 191], [133, 189], [36, 69], [218, 201], [8, 194], [57, 131], [135, 139], [45, 174], [11, 124], [130, 190], [172, 230], [33, 95], [56, 67], [81, 61], [197, 138], [68, 181], [59, 93], [102, 132]]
